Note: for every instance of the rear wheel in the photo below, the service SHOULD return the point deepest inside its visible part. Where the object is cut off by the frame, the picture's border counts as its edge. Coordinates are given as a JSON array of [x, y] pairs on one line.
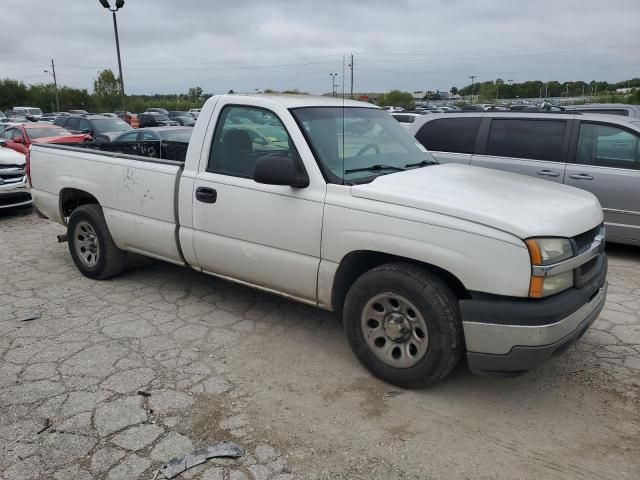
[[90, 244], [403, 324]]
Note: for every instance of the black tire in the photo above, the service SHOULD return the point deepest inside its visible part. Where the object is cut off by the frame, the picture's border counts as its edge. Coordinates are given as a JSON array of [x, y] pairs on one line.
[[437, 305], [111, 260]]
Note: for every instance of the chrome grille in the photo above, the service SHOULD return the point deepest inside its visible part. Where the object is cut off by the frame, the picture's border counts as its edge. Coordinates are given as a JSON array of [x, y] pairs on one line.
[[582, 241], [11, 174]]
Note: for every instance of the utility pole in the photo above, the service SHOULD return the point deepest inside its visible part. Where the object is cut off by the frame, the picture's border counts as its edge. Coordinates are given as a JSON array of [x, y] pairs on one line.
[[55, 83], [351, 66], [567, 95], [119, 5], [333, 83], [472, 77]]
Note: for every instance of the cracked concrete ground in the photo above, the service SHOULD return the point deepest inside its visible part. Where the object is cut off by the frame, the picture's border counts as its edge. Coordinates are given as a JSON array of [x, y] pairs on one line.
[[219, 361]]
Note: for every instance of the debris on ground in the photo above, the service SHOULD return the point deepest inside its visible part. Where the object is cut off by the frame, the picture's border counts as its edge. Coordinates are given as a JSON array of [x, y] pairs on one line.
[[144, 393], [47, 425], [178, 465], [35, 316]]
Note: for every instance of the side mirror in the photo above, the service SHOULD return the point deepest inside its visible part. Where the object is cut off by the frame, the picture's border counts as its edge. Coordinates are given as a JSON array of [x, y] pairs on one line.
[[274, 169], [17, 139]]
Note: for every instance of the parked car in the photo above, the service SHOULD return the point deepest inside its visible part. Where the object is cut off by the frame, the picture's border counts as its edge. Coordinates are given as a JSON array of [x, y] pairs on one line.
[[169, 143], [49, 117], [422, 260], [130, 118], [32, 114], [163, 111], [153, 119], [13, 181], [392, 109], [172, 134], [632, 111], [598, 153], [195, 112], [20, 137], [78, 112], [406, 118], [101, 129], [183, 118]]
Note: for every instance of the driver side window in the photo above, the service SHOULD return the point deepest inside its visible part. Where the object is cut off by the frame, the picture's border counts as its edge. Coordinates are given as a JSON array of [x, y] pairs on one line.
[[243, 135]]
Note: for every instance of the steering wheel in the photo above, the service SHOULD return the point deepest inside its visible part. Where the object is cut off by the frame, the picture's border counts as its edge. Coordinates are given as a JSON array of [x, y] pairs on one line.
[[367, 147]]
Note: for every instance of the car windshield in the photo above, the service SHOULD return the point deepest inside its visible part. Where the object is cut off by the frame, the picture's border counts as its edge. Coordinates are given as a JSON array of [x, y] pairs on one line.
[[35, 133], [180, 135], [103, 125], [33, 111], [355, 138]]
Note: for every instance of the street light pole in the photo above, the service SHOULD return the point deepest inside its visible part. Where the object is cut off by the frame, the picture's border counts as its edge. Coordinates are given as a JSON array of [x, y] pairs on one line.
[[472, 77], [333, 83], [119, 5], [55, 83]]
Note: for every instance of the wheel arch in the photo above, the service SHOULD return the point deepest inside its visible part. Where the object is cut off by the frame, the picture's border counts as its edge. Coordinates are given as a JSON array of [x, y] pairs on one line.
[[356, 263], [72, 198]]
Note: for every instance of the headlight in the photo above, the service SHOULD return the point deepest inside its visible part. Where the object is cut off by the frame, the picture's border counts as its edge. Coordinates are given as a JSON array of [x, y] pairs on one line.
[[546, 251]]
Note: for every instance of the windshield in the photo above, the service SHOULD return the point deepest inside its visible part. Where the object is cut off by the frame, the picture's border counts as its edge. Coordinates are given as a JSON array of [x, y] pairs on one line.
[[181, 135], [353, 138], [33, 111], [103, 125], [34, 133]]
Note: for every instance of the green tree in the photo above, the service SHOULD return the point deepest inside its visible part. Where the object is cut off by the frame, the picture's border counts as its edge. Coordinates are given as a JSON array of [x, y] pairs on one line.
[[397, 98], [195, 93], [107, 84], [454, 90]]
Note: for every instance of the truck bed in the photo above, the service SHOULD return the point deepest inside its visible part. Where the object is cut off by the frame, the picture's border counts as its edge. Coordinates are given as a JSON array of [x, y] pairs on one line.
[[137, 194]]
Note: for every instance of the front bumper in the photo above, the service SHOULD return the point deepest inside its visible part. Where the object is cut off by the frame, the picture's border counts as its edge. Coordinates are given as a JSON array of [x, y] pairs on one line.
[[511, 336]]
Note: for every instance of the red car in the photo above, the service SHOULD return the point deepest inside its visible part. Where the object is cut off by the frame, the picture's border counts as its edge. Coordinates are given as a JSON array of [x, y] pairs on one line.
[[20, 137]]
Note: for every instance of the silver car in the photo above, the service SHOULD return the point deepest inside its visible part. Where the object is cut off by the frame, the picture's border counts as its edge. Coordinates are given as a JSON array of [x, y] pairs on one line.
[[595, 152]]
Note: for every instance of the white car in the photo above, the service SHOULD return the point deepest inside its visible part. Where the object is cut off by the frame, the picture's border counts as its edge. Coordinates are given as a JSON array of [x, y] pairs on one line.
[[406, 119], [13, 181], [335, 205]]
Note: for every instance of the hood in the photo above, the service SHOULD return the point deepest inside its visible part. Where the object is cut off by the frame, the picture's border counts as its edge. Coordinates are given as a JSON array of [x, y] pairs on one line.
[[10, 157], [520, 205]]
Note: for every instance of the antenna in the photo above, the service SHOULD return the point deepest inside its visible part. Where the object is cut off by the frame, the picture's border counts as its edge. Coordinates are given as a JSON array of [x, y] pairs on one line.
[[343, 151]]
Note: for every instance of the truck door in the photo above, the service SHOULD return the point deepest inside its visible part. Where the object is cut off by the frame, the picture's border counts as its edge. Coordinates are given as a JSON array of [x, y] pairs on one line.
[[265, 235]]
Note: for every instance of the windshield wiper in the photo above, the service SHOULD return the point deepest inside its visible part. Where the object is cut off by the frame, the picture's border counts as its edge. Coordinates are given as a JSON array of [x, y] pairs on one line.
[[423, 163], [374, 168]]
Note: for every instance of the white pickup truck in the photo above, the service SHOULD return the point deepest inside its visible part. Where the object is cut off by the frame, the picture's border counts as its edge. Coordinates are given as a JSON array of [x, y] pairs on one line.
[[332, 203]]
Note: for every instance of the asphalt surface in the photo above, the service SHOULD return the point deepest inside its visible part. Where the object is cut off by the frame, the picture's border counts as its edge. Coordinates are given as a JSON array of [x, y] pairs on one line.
[[112, 379]]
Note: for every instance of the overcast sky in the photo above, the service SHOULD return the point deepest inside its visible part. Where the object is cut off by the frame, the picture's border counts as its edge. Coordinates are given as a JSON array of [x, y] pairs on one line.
[[171, 45]]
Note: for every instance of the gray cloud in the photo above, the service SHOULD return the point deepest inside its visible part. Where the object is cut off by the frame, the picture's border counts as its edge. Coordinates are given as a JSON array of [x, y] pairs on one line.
[[170, 45]]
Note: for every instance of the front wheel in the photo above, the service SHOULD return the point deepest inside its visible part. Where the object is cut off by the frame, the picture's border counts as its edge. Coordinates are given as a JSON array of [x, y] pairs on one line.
[[403, 324], [90, 244]]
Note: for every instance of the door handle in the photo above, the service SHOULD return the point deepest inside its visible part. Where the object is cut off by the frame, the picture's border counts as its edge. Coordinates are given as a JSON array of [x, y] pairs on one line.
[[581, 176], [206, 195], [548, 173]]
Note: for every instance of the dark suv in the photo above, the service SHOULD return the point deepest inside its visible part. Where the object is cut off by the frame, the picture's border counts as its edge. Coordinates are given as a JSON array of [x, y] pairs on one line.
[[102, 129], [152, 119]]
